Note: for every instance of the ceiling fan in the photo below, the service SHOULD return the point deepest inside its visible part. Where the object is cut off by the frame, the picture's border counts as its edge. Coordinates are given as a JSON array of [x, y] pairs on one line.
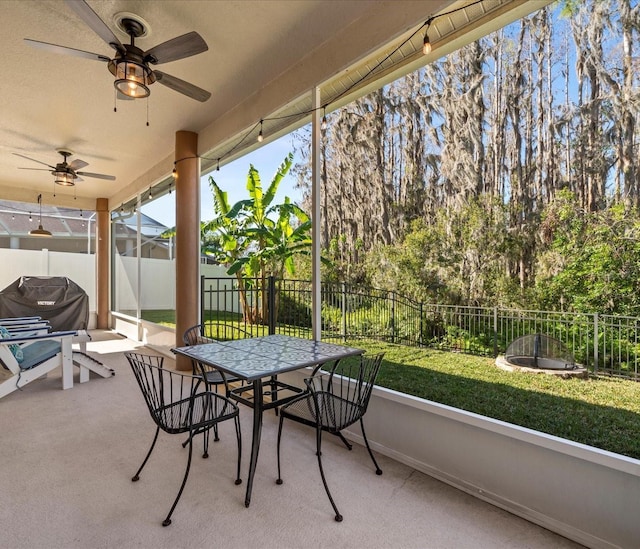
[[67, 173], [131, 65]]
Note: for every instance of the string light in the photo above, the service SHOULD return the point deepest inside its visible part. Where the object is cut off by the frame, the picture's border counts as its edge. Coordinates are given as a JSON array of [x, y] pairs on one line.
[[150, 195], [426, 44], [79, 212], [426, 49]]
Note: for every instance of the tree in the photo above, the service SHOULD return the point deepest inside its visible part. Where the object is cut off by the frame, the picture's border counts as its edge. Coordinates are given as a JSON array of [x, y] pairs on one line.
[[592, 264], [546, 105], [256, 239]]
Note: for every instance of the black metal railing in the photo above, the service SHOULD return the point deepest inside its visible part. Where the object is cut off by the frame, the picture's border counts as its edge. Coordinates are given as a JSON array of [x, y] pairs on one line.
[[605, 344]]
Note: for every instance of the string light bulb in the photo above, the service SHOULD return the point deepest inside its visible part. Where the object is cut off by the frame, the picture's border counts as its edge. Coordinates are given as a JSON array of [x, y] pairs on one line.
[[323, 124], [174, 173], [150, 195], [260, 136], [218, 165], [426, 43]]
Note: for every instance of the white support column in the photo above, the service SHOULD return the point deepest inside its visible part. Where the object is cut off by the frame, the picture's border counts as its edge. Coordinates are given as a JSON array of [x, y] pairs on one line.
[[316, 308]]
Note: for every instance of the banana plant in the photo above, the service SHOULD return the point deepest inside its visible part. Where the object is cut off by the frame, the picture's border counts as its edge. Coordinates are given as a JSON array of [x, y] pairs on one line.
[[256, 238]]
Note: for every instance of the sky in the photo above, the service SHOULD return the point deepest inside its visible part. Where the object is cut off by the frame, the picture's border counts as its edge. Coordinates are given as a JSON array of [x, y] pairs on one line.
[[232, 178]]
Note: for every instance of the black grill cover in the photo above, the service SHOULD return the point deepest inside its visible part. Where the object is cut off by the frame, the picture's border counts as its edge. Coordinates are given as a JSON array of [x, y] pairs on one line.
[[55, 298]]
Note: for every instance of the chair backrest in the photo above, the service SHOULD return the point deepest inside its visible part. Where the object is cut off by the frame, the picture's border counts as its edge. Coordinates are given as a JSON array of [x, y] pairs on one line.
[[194, 335], [161, 388], [343, 393], [213, 331]]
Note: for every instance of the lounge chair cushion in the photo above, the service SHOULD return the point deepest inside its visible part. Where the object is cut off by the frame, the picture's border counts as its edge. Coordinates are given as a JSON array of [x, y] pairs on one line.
[[15, 349], [38, 352]]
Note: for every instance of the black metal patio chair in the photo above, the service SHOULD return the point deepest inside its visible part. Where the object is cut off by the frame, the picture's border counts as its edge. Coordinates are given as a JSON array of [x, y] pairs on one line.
[[176, 408], [212, 377], [207, 333], [335, 400]]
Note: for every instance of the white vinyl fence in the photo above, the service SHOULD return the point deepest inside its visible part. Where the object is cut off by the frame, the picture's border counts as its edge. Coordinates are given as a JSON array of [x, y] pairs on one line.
[[157, 280], [78, 267]]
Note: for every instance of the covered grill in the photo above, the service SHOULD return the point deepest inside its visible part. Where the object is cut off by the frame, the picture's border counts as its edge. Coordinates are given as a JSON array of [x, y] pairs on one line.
[[57, 299]]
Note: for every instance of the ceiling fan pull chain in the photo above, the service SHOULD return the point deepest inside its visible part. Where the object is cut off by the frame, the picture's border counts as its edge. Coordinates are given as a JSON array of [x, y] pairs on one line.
[[115, 100], [147, 111]]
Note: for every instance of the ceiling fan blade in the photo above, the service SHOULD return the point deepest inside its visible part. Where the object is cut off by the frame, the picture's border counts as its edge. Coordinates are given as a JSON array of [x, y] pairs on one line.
[[97, 25], [97, 175], [65, 50], [177, 48], [182, 87], [78, 164], [37, 169], [34, 160]]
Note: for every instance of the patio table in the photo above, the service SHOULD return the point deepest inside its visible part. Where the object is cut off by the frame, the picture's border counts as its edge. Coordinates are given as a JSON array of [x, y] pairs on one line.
[[255, 359]]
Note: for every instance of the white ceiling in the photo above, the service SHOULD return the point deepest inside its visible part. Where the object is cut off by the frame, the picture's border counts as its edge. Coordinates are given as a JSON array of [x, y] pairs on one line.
[[263, 57]]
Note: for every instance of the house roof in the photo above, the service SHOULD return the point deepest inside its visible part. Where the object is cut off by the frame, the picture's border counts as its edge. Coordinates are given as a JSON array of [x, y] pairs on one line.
[[17, 219]]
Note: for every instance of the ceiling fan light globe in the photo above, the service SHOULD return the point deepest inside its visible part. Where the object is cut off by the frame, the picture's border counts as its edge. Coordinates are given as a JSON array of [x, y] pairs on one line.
[[132, 89], [65, 179], [132, 79]]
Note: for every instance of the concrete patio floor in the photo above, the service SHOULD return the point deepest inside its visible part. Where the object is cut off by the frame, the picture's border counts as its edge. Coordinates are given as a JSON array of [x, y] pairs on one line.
[[68, 457]]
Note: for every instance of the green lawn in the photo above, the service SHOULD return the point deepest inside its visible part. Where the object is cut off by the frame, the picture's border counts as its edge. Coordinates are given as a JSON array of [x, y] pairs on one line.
[[600, 412]]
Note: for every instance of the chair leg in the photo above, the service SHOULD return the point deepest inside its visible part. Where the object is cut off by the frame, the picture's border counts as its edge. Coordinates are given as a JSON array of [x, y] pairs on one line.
[[366, 442], [136, 477], [205, 436], [338, 516], [239, 438], [167, 520], [274, 391], [279, 479], [205, 453], [206, 442], [345, 441], [194, 391]]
